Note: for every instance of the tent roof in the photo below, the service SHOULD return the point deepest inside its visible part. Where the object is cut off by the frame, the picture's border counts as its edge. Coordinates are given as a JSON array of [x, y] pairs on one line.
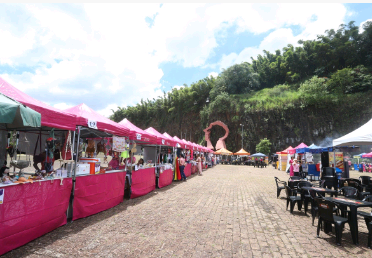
[[301, 145], [161, 139], [139, 134], [360, 136], [182, 145], [50, 116], [85, 114], [187, 144], [367, 155], [223, 151], [242, 152], [286, 150], [259, 154]]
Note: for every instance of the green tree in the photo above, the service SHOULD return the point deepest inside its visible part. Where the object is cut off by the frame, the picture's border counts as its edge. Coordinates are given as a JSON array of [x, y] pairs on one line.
[[264, 146]]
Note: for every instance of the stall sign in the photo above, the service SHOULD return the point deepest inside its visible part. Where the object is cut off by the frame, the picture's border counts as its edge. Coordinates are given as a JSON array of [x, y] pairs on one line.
[[92, 124], [138, 136], [118, 143], [2, 196], [339, 160]]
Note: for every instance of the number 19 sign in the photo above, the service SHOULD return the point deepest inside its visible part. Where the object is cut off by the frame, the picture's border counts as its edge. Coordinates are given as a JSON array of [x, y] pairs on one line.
[[92, 124]]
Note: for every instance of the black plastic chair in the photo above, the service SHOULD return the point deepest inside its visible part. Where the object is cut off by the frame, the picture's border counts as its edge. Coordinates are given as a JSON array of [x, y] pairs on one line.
[[314, 206], [325, 209], [295, 178], [292, 198], [356, 183], [349, 192], [304, 195], [278, 187], [330, 177], [368, 219], [365, 181]]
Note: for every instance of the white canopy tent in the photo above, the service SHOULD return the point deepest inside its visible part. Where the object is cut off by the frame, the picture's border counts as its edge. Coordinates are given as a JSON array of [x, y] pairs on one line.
[[360, 136]]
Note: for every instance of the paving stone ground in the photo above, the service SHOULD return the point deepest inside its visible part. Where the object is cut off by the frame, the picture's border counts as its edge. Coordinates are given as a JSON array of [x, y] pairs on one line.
[[230, 211]]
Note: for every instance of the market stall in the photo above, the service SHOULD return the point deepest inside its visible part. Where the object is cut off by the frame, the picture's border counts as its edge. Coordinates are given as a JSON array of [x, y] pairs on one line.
[[188, 157], [143, 176], [96, 189], [164, 161], [242, 156], [283, 158], [194, 165], [31, 208]]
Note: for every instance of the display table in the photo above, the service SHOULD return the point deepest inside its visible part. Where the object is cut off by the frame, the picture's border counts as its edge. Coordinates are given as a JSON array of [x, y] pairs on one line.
[[143, 182], [96, 193], [165, 178], [194, 169], [187, 170], [31, 210]]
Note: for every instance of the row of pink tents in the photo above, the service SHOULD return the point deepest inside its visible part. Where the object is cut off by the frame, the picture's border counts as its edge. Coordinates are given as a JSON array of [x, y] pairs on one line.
[[81, 114], [291, 150]]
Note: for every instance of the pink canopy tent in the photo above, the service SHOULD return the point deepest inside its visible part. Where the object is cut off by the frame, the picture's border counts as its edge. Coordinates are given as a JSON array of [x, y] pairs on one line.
[[187, 144], [368, 155], [301, 145], [50, 116], [139, 134], [286, 151], [193, 146], [85, 114], [161, 139], [170, 138], [180, 142]]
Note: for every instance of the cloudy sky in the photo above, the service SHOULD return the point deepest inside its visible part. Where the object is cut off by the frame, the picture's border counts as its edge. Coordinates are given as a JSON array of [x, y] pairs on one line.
[[109, 55]]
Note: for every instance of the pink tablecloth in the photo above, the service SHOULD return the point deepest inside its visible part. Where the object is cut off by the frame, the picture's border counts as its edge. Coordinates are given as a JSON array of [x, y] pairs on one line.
[[187, 170], [32, 210], [143, 182], [165, 178], [194, 169], [96, 193]]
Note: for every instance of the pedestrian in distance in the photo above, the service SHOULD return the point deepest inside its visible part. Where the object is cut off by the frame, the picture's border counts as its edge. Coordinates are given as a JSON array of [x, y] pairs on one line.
[[182, 163]]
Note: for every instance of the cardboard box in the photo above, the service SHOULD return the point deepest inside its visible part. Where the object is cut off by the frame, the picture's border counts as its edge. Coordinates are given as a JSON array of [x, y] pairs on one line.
[[82, 169]]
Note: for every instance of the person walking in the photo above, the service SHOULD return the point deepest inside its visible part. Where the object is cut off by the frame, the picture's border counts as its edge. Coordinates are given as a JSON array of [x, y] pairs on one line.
[[199, 161], [296, 168], [291, 167], [182, 163]]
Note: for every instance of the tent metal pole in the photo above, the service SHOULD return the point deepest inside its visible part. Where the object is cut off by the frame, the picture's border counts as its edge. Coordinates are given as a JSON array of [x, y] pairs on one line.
[[70, 207], [73, 144]]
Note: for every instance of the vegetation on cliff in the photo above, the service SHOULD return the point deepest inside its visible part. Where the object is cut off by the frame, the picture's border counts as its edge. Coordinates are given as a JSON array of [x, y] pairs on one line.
[[321, 88]]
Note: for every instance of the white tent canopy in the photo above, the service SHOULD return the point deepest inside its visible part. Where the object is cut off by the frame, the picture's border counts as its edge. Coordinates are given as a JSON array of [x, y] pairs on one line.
[[361, 136]]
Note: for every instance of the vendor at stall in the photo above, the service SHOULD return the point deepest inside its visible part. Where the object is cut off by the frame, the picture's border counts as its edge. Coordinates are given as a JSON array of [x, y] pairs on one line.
[[114, 163], [140, 162]]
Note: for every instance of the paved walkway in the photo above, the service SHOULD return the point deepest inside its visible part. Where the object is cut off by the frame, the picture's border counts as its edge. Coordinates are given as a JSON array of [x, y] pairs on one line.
[[230, 211]]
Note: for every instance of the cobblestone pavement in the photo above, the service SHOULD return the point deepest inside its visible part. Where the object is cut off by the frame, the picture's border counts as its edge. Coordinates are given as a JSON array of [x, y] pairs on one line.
[[230, 211]]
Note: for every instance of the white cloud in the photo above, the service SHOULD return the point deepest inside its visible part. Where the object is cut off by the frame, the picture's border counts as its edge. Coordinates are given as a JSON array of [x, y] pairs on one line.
[[62, 106], [213, 74], [107, 55], [361, 25], [107, 112], [281, 37], [178, 87]]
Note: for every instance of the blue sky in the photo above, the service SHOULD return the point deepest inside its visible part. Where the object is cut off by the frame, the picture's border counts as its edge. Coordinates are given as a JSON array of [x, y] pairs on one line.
[[109, 55]]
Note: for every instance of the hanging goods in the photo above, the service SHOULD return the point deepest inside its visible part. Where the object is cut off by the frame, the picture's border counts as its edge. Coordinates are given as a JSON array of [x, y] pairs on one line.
[[67, 148]]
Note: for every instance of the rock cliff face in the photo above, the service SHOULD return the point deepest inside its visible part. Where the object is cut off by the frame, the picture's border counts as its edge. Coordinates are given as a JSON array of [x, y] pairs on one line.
[[283, 127]]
